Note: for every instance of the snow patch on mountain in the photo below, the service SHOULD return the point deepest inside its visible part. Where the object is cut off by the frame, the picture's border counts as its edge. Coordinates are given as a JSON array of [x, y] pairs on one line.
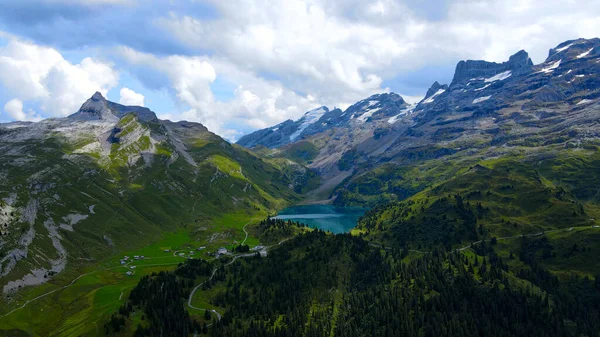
[[431, 98], [481, 99], [309, 118], [550, 68], [558, 50], [484, 87], [363, 118], [499, 77], [584, 101], [582, 55], [403, 112]]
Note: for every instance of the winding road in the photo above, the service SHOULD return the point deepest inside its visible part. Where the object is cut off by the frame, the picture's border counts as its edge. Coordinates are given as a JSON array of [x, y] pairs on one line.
[[194, 291], [210, 278], [215, 271], [244, 229]]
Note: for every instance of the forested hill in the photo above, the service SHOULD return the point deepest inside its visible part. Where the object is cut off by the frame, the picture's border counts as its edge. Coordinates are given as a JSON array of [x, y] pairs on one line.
[[340, 285]]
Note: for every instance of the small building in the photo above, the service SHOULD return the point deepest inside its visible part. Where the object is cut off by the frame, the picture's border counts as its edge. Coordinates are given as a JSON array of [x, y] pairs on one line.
[[191, 252], [222, 251], [132, 267], [137, 257], [123, 262], [182, 254], [129, 273], [258, 248], [200, 248], [126, 258], [167, 250]]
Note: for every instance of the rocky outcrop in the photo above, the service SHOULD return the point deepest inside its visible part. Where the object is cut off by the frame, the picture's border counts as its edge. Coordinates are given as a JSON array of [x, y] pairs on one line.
[[467, 70], [435, 88], [97, 107]]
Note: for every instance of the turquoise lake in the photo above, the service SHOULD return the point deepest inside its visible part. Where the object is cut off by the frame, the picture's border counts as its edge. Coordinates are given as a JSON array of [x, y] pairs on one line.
[[325, 217]]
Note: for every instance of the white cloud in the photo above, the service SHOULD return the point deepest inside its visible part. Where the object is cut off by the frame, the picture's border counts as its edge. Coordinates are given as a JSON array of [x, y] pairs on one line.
[[283, 57], [130, 97], [14, 108], [41, 74], [359, 42], [336, 53], [256, 102], [190, 77], [493, 30], [304, 44]]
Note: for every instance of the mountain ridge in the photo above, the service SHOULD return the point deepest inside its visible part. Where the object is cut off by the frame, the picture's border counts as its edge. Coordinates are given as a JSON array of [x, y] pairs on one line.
[[64, 180], [486, 105]]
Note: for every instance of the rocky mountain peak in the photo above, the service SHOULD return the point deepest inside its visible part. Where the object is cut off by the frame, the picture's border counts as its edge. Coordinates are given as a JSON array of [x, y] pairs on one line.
[[388, 97], [574, 50], [470, 69], [324, 108], [435, 87], [97, 97], [520, 60], [98, 107]]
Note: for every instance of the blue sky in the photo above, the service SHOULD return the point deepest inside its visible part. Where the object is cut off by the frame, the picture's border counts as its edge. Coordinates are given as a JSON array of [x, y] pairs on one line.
[[239, 65]]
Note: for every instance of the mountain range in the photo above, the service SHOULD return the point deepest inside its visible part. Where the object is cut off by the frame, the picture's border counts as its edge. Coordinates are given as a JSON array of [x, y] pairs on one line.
[[488, 109], [482, 199]]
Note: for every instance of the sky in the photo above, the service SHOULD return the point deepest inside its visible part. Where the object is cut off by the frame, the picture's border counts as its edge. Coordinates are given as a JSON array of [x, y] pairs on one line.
[[240, 65]]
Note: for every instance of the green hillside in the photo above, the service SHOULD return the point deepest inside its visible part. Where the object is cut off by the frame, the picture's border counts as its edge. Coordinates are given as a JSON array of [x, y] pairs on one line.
[[324, 285], [76, 196]]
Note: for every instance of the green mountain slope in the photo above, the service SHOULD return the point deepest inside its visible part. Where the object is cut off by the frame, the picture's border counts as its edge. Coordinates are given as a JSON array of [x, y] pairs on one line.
[[554, 199], [112, 178]]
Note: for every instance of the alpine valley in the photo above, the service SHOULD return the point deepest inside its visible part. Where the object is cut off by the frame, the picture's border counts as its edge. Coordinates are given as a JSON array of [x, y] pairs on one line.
[[483, 215]]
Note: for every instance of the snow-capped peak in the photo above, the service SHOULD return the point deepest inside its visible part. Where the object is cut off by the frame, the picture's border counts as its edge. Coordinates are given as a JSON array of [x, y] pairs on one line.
[[314, 115], [309, 118]]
